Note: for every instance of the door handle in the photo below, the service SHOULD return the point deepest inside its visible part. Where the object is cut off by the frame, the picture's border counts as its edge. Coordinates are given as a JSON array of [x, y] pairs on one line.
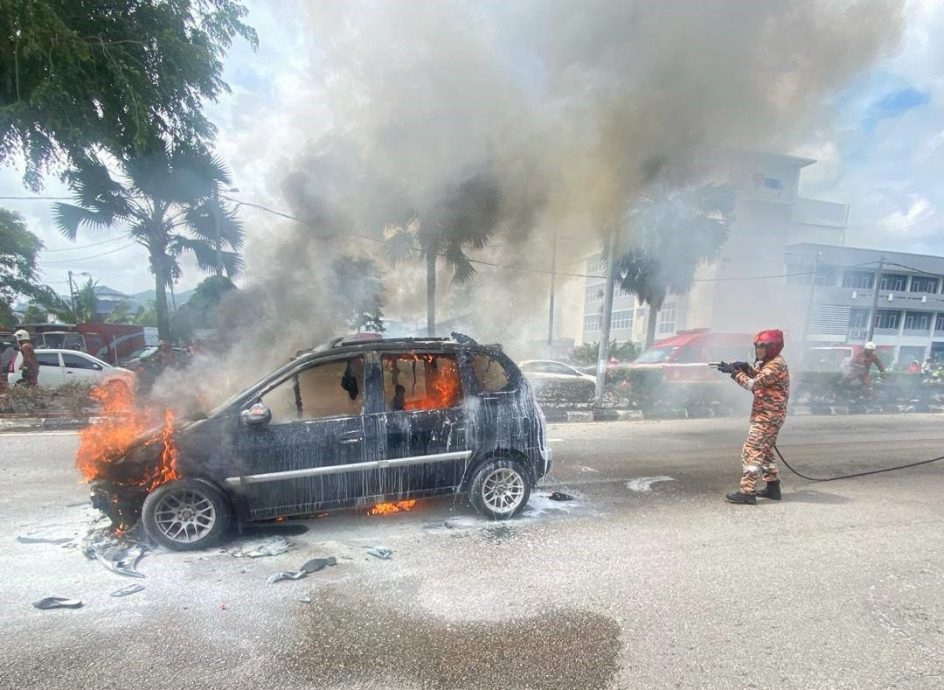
[[69, 373]]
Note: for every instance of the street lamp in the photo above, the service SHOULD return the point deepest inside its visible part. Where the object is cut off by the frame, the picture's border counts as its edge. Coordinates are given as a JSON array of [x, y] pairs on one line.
[[72, 292]]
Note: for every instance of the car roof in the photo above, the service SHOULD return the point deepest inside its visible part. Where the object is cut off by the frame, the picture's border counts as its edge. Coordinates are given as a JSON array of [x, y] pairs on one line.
[[356, 344], [67, 351], [697, 335]]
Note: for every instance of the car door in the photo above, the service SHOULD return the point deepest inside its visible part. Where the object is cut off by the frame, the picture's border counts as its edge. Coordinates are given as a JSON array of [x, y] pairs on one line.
[[310, 454], [50, 369], [80, 369], [422, 426]]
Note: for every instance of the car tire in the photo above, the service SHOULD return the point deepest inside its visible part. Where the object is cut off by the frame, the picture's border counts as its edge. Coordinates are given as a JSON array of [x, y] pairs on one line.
[[500, 489], [186, 515]]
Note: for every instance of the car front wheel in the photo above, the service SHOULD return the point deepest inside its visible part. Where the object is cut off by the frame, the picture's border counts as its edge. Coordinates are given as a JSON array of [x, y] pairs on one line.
[[186, 514], [500, 489]]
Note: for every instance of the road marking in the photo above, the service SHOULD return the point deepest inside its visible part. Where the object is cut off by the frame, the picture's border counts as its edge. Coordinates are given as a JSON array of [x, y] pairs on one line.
[[555, 440], [644, 484], [15, 434]]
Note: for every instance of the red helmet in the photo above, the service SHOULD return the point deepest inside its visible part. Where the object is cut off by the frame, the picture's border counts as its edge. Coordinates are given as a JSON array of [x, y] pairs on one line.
[[772, 339]]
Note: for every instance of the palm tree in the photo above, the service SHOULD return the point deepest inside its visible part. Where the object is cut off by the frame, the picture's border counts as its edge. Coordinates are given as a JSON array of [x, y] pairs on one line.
[[169, 201], [673, 234], [465, 215]]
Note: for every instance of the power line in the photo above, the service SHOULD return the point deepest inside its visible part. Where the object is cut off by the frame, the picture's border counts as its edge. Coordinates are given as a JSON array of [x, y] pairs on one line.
[[86, 246], [36, 198], [93, 256]]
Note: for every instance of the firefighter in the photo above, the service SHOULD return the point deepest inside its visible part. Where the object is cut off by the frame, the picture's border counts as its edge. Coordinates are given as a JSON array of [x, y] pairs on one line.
[[769, 381], [860, 366], [30, 365]]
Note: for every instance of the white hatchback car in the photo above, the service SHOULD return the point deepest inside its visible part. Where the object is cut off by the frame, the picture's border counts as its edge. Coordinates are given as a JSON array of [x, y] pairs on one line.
[[58, 367]]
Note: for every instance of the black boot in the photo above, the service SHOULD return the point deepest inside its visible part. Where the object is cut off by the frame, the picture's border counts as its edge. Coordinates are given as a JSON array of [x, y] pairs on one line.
[[738, 497], [771, 491]]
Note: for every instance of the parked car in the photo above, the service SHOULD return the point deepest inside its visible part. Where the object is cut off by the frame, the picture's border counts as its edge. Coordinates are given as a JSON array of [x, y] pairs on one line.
[[558, 383], [58, 367], [349, 423]]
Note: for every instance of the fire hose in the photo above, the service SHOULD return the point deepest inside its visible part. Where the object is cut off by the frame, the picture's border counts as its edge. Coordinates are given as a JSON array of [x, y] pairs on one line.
[[730, 368]]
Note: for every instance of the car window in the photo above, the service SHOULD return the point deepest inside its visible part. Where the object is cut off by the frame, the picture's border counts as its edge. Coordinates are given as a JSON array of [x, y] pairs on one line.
[[655, 355], [77, 362], [332, 389], [555, 368], [48, 359], [490, 375], [418, 381]]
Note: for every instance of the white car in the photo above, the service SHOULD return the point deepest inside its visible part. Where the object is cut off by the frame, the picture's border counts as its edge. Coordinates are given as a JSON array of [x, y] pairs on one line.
[[558, 383], [58, 367]]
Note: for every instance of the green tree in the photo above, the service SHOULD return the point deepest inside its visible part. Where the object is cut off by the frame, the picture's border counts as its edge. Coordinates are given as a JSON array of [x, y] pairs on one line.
[[465, 215], [170, 205], [34, 314], [674, 232], [120, 74], [19, 249], [587, 353], [359, 293], [121, 313], [205, 300], [146, 316]]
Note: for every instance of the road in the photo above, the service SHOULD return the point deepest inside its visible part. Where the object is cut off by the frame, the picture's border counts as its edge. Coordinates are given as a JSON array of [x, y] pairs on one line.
[[648, 579]]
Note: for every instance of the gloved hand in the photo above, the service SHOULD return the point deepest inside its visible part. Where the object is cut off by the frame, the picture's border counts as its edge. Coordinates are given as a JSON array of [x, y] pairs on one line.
[[725, 368], [741, 366]]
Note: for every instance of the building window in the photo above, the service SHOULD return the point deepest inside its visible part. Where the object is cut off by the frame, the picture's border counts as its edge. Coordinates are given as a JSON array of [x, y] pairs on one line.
[[893, 281], [917, 321], [591, 323], [594, 294], [620, 292], [596, 265], [666, 319], [924, 284], [858, 280], [939, 323], [859, 318], [622, 319], [887, 319]]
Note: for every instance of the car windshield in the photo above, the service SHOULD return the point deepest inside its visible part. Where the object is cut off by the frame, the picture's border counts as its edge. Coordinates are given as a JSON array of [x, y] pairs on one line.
[[655, 355]]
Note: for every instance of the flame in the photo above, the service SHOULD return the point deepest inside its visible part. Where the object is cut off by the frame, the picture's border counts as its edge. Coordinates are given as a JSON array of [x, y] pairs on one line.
[[441, 381], [387, 508], [123, 425]]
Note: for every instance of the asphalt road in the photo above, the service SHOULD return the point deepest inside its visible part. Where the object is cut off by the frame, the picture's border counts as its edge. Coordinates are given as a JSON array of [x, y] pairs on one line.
[[648, 579]]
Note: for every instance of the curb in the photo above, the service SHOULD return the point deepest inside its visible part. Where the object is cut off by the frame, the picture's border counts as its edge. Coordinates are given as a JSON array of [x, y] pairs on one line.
[[44, 424]]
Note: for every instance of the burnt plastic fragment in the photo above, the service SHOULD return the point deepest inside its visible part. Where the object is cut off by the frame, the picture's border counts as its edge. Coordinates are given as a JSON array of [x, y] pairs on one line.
[[380, 552], [560, 496], [127, 591], [58, 603]]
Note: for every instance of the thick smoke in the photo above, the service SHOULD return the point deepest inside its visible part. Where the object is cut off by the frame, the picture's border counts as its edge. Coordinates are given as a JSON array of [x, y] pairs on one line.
[[571, 109]]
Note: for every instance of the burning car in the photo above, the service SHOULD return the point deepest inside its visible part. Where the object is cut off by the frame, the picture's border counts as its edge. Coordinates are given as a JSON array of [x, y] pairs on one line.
[[350, 423]]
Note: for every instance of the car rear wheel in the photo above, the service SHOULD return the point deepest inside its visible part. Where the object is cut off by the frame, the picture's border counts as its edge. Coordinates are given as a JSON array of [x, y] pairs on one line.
[[186, 514], [500, 489]]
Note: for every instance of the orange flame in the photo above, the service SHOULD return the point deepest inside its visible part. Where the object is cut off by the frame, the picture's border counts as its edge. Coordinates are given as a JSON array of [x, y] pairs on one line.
[[387, 508], [441, 381], [123, 424]]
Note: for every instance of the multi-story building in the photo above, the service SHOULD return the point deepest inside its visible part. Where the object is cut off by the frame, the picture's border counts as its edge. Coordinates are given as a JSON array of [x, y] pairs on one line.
[[906, 291]]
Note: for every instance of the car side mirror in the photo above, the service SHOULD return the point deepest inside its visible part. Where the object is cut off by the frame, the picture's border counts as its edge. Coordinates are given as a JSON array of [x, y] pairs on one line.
[[257, 415]]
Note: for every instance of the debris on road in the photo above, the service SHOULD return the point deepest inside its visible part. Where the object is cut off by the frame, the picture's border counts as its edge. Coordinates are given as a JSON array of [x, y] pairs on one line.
[[380, 552], [560, 496], [58, 603], [305, 600], [119, 553], [43, 540], [312, 566], [261, 548], [127, 591]]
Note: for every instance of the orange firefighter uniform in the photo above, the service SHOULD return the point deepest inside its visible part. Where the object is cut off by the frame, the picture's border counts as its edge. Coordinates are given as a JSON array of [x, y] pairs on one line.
[[770, 384]]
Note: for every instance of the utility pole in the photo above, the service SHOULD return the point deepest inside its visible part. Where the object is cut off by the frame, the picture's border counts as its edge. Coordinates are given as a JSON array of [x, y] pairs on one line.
[[603, 355], [809, 304], [550, 318], [874, 312], [72, 298]]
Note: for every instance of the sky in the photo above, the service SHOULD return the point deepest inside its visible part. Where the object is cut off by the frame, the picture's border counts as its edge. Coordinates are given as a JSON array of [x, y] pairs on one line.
[[882, 151]]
